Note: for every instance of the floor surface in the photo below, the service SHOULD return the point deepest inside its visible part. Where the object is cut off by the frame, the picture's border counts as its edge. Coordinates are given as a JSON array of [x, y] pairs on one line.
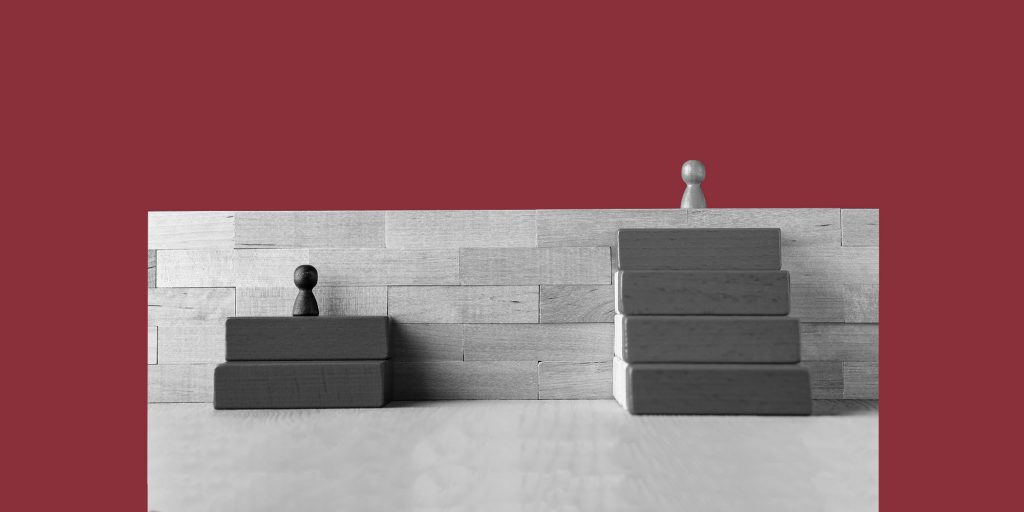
[[586, 455]]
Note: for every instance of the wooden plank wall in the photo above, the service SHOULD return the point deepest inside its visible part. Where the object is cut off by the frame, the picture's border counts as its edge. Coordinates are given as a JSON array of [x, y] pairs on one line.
[[486, 304]]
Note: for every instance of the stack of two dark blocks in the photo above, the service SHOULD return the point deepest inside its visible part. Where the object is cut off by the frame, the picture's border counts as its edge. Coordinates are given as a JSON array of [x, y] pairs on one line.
[[701, 325], [304, 362]]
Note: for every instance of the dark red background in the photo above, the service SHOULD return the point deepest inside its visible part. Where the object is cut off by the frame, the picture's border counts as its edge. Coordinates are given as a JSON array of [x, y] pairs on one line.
[[112, 109]]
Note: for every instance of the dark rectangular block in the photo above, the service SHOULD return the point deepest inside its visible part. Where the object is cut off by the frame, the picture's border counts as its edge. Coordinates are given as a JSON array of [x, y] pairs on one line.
[[307, 338], [677, 388], [702, 292], [302, 385], [707, 339], [700, 249]]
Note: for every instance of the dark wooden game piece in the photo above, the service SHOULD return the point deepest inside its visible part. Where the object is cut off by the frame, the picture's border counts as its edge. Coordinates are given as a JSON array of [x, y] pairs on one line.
[[305, 303], [307, 338]]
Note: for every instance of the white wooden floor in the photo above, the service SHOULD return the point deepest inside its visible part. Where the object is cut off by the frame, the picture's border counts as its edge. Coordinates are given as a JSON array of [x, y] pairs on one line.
[[508, 455]]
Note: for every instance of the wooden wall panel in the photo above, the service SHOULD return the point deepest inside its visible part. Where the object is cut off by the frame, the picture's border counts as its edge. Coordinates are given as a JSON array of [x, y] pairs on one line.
[[801, 227], [838, 342], [332, 301], [574, 381], [583, 228], [266, 230], [427, 342], [846, 265], [826, 379], [532, 265], [576, 303], [152, 269], [192, 343], [191, 230], [196, 268], [538, 342], [860, 228], [175, 305], [463, 304], [181, 382], [268, 268], [860, 380], [456, 380], [446, 229], [367, 267], [860, 303], [153, 336]]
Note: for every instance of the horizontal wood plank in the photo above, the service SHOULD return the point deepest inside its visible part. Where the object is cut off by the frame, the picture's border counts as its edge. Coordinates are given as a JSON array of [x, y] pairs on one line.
[[332, 300], [860, 380], [185, 268], [302, 384], [153, 336], [181, 383], [817, 302], [826, 379], [583, 228], [839, 342], [860, 303], [191, 230], [470, 380], [268, 268], [309, 229], [192, 343], [577, 303], [367, 267], [846, 265], [699, 249], [801, 227], [712, 292], [447, 229], [152, 269], [172, 305], [533, 265], [574, 381], [538, 342], [860, 228], [427, 342], [463, 304]]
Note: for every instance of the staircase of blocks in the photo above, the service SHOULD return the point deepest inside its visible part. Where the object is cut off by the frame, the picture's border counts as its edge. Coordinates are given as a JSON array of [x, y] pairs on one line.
[[701, 324]]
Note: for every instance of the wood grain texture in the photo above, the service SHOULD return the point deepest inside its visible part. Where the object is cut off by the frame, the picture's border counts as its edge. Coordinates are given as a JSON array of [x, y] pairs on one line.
[[307, 338], [447, 229], [538, 342], [262, 230], [845, 265], [707, 339], [302, 385], [180, 382], [195, 268], [680, 388], [577, 303], [718, 292], [801, 227], [574, 381], [860, 380], [533, 265], [699, 249], [839, 342], [333, 301], [463, 304], [268, 268], [191, 230], [170, 305], [860, 228], [365, 267], [826, 379], [152, 269], [583, 228], [860, 303], [192, 343], [427, 342], [152, 336], [817, 302], [470, 380]]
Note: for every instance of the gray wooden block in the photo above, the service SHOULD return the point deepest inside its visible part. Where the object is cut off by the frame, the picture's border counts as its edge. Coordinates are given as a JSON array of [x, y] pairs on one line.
[[268, 268], [860, 380], [302, 385], [839, 342], [707, 339], [470, 380], [582, 228], [801, 227], [463, 304], [363, 267], [180, 383], [577, 303], [333, 301], [535, 265], [266, 230], [192, 342], [191, 230], [152, 336], [860, 227], [538, 342], [174, 305], [826, 379], [679, 388], [700, 249], [718, 292], [427, 342], [446, 229], [307, 338], [196, 268], [152, 269], [574, 381]]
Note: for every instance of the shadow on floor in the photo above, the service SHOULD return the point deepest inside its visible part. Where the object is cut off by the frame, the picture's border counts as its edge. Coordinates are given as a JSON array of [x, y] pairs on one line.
[[844, 407]]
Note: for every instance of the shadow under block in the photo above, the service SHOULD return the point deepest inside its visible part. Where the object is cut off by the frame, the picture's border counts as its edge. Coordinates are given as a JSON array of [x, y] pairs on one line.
[[707, 339], [307, 338], [700, 249], [702, 292], [666, 388], [302, 385]]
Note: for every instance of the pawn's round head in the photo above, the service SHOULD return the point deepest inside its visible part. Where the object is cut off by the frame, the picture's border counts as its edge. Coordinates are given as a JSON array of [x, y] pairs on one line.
[[693, 172], [305, 277]]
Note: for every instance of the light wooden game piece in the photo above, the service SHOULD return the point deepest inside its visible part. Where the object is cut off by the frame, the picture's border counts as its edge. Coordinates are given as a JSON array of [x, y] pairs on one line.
[[693, 175]]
